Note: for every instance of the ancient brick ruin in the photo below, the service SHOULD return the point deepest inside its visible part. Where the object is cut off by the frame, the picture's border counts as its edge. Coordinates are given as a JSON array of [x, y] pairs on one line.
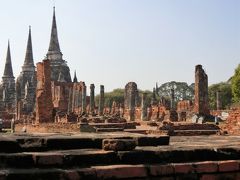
[[44, 104], [201, 106], [130, 97], [139, 138]]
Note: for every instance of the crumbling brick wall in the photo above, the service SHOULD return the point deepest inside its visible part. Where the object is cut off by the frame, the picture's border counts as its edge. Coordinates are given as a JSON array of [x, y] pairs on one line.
[[44, 105]]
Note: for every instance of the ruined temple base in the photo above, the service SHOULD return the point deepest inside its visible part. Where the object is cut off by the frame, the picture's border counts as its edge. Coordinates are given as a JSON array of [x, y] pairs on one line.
[[80, 156]]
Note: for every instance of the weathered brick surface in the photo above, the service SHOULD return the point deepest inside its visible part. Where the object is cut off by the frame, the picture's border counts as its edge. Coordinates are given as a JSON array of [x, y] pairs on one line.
[[228, 166], [44, 105], [130, 100], [206, 167], [71, 175], [232, 125], [121, 171], [201, 91], [209, 177], [184, 105], [119, 144], [160, 170], [48, 159], [183, 168]]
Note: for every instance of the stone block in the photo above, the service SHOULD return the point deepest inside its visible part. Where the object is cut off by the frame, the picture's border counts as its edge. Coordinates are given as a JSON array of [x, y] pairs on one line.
[[119, 144]]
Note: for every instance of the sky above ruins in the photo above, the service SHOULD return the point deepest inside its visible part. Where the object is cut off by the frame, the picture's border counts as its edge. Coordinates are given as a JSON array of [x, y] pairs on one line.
[[112, 42]]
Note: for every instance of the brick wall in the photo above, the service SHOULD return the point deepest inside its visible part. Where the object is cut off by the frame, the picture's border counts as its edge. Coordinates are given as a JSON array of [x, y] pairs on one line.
[[44, 105]]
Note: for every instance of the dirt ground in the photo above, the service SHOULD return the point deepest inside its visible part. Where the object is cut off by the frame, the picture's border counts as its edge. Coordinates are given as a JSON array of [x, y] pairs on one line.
[[74, 128], [49, 128]]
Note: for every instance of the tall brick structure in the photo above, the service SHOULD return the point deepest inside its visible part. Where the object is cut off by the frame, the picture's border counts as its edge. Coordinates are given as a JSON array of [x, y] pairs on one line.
[[201, 106], [44, 104], [101, 101], [131, 92]]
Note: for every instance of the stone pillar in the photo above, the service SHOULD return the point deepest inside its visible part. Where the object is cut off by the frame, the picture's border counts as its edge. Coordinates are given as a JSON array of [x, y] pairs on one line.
[[130, 99], [101, 101], [132, 107], [92, 101], [201, 106], [144, 107], [172, 99], [84, 94], [218, 101]]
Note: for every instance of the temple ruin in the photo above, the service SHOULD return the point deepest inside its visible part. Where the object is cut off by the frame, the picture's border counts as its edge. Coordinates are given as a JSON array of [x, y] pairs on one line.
[[201, 106]]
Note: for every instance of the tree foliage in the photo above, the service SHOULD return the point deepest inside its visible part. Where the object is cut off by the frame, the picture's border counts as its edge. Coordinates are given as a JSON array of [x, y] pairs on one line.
[[116, 95], [225, 95], [235, 81], [181, 90]]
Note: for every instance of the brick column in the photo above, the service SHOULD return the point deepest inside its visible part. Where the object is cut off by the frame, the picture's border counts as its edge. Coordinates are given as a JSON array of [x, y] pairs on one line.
[[144, 107], [84, 94], [101, 101], [92, 95]]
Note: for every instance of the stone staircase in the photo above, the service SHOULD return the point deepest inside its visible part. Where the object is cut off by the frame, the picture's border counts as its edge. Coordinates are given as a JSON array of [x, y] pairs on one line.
[[72, 157]]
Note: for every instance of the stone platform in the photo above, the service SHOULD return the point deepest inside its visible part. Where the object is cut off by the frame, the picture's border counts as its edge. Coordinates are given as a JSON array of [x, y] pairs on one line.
[[80, 156]]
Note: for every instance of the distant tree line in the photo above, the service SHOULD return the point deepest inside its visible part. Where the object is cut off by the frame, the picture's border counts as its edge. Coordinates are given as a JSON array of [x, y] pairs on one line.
[[229, 92]]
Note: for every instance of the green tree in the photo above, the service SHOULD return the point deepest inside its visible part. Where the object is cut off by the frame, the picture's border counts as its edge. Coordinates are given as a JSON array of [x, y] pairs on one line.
[[116, 95], [181, 90], [235, 81], [225, 95]]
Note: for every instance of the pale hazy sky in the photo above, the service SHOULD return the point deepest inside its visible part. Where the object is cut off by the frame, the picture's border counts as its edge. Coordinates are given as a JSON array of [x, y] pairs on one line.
[[112, 42]]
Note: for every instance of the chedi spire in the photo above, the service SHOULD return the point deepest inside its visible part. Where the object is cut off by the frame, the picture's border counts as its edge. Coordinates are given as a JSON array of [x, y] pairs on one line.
[[28, 62], [8, 72], [54, 52]]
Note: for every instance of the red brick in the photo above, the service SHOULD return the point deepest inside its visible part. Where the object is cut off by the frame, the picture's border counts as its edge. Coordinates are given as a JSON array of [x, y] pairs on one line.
[[48, 159], [121, 171], [226, 166], [87, 173], [44, 105], [209, 177], [184, 168], [206, 167], [159, 170], [71, 175]]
